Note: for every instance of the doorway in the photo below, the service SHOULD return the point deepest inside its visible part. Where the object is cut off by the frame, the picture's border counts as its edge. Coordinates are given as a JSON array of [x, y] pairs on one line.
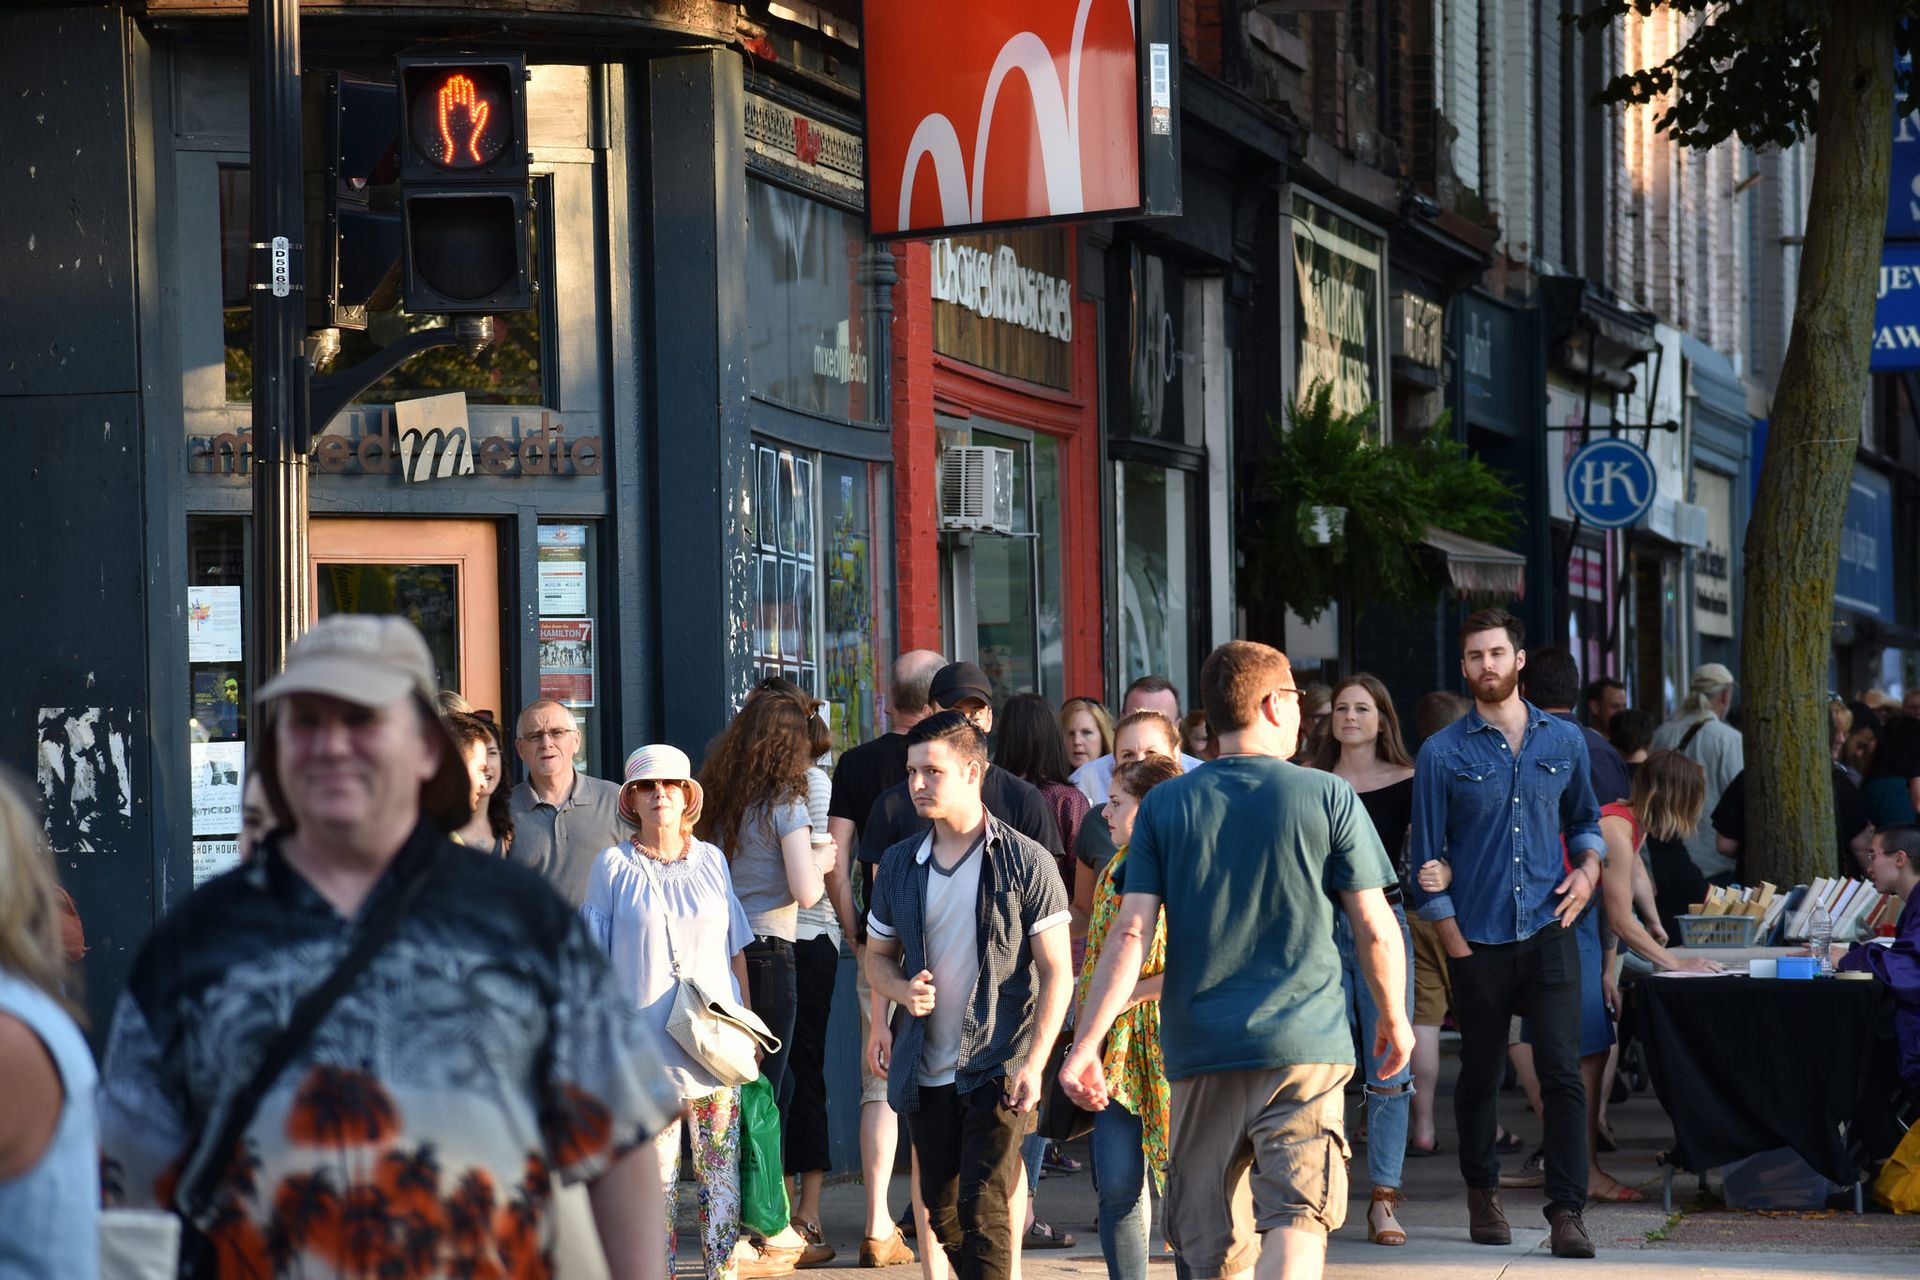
[[441, 575]]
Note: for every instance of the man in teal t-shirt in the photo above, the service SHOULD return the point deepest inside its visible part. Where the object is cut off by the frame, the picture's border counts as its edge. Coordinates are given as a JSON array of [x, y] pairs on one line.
[[1250, 856]]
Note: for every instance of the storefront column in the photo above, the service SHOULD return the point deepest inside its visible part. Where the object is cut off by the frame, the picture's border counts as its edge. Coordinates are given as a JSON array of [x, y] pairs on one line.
[[916, 450], [695, 196]]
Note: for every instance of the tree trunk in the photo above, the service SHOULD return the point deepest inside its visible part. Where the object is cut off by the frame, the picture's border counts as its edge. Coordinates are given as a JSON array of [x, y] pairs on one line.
[[1793, 540]]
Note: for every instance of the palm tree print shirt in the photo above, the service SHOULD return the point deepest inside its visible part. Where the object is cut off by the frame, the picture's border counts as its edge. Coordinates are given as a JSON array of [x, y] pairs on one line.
[[482, 1053]]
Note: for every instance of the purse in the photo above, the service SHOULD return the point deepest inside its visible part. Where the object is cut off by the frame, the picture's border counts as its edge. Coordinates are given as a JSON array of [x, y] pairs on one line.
[[717, 1033], [1061, 1118]]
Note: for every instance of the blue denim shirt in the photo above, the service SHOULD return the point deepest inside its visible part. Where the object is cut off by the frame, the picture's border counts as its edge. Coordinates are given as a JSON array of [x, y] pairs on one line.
[[1499, 820]]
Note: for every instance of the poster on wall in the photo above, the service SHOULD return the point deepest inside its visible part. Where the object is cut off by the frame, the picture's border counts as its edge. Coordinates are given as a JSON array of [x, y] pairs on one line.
[[566, 661], [217, 769], [213, 858], [563, 568], [213, 624]]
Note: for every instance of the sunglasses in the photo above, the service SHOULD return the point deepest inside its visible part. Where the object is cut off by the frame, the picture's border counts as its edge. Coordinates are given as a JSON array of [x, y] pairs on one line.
[[649, 784]]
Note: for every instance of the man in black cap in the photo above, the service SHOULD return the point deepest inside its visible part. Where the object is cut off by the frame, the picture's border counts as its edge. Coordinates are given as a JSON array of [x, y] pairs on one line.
[[962, 687]]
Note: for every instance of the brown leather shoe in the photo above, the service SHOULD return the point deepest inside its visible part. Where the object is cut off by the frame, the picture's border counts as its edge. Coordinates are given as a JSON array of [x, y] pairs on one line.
[[768, 1261], [818, 1252], [887, 1251], [1486, 1220], [1569, 1238]]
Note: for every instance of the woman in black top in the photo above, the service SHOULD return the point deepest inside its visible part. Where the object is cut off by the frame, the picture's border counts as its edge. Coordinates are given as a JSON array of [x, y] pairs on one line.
[[1361, 743]]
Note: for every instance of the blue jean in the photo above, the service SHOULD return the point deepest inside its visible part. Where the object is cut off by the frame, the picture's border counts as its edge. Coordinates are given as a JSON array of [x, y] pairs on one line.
[[1120, 1181], [1387, 1113]]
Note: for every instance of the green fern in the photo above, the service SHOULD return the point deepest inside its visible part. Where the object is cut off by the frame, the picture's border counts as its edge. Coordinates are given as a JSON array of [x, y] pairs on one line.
[[1391, 493]]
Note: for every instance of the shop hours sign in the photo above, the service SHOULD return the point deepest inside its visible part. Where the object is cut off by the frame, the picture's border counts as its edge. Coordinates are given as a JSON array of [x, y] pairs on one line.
[[1610, 483]]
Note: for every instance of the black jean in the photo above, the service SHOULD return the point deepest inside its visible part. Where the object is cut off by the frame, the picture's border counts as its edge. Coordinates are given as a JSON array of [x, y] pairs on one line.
[[1542, 975], [770, 990], [816, 963], [968, 1145]]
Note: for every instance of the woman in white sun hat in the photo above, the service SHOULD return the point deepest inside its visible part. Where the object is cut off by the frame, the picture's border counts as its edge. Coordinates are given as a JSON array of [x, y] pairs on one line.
[[664, 894]]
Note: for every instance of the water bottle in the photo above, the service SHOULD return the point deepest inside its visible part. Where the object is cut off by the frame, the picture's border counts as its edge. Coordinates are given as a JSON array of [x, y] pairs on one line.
[[1820, 938]]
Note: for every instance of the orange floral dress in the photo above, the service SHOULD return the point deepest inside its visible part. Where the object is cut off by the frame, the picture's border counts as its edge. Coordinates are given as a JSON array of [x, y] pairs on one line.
[[1136, 1072]]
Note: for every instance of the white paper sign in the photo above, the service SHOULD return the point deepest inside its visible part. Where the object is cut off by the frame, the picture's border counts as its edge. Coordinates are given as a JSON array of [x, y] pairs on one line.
[[213, 858], [563, 569], [213, 624], [217, 768]]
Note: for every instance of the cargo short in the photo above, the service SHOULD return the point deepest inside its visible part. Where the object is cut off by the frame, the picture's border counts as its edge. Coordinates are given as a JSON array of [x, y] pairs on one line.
[[1252, 1151], [873, 1088]]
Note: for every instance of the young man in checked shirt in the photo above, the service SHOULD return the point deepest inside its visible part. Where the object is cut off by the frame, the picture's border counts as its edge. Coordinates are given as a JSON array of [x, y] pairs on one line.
[[967, 935]]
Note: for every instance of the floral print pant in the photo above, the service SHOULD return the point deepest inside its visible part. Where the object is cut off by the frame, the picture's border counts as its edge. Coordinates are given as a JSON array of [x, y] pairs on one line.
[[714, 1125]]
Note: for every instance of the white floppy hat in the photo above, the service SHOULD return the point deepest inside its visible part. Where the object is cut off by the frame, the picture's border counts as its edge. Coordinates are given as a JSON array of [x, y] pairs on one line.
[[658, 762]]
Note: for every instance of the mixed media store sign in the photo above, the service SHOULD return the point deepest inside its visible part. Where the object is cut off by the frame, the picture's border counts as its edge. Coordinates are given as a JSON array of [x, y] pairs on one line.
[[419, 443]]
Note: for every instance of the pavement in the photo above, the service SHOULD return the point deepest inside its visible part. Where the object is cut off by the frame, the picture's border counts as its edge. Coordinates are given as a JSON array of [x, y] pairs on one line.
[[1701, 1240]]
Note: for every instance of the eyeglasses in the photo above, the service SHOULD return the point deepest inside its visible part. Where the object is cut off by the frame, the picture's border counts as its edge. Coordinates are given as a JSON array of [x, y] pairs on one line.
[[546, 735], [651, 784]]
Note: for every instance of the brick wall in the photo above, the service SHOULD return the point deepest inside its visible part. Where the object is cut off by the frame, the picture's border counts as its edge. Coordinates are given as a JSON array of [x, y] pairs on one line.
[[1200, 35], [916, 447]]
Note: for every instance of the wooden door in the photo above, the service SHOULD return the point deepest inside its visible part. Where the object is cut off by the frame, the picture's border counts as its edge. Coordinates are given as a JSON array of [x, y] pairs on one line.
[[442, 575]]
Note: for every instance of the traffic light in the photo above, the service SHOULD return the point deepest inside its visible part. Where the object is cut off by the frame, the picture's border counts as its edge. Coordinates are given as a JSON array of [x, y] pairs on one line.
[[352, 139], [463, 183]]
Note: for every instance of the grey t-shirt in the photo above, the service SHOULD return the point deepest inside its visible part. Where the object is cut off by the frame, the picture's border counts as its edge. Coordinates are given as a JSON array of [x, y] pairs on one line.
[[760, 870], [562, 842], [953, 957]]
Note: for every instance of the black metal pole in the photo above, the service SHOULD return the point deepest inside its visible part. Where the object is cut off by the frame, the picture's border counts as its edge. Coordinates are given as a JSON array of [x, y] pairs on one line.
[[279, 611]]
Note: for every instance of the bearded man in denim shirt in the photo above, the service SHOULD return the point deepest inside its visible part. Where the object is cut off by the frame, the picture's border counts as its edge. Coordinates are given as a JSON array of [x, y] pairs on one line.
[[1503, 802]]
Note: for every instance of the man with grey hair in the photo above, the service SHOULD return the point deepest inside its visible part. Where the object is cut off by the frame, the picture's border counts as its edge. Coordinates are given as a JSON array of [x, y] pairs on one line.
[[1701, 733], [862, 775], [364, 984], [562, 819]]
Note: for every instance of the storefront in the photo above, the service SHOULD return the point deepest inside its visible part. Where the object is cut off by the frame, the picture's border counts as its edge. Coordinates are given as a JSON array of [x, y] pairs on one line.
[[1863, 590], [670, 477], [1720, 439], [1010, 358]]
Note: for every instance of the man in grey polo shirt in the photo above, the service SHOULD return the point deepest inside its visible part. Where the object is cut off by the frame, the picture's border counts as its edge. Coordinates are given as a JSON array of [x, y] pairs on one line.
[[562, 819]]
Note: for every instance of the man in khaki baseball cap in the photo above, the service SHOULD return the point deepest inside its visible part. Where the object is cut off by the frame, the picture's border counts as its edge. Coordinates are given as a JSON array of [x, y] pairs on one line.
[[352, 744]]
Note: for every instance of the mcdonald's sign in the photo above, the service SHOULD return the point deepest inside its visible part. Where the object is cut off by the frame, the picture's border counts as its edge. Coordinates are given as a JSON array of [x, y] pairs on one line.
[[1008, 111]]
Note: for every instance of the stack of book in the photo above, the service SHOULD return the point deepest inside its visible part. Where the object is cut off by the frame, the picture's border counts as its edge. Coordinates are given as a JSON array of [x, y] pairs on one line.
[[1853, 905], [1763, 902]]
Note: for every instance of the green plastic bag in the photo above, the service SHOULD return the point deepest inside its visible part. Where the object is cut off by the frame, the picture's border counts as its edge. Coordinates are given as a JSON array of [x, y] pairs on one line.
[[763, 1183]]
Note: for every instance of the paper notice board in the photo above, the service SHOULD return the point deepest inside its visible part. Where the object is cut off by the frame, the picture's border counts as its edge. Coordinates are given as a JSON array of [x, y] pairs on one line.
[[566, 661]]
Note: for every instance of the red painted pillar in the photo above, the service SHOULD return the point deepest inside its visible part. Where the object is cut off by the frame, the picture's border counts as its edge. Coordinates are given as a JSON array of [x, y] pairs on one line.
[[916, 447]]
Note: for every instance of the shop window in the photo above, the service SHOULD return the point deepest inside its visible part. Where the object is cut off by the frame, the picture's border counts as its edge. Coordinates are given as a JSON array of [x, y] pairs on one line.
[[1004, 591], [1154, 526], [511, 371], [822, 597], [808, 327], [219, 694], [570, 636]]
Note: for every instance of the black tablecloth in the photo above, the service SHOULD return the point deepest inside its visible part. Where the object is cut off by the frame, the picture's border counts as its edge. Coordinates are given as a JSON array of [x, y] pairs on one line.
[[1745, 1065]]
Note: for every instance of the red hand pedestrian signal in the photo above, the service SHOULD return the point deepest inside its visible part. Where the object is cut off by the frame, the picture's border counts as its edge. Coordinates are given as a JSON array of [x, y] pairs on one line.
[[457, 94]]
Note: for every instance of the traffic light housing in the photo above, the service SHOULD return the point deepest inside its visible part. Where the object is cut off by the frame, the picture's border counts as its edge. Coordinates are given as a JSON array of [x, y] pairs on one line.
[[463, 183], [352, 141]]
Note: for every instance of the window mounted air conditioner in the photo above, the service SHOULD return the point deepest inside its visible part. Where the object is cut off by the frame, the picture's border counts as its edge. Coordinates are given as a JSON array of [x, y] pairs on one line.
[[976, 490]]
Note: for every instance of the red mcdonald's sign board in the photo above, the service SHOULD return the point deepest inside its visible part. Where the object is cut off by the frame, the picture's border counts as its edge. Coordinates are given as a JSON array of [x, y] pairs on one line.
[[1012, 111]]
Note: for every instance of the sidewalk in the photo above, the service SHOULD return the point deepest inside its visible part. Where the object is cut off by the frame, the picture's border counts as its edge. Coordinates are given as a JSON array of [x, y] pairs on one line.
[[1704, 1242]]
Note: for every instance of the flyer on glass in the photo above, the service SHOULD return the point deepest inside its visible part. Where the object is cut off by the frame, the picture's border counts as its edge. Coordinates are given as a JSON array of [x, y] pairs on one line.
[[566, 661], [213, 624], [218, 768], [213, 858], [563, 568]]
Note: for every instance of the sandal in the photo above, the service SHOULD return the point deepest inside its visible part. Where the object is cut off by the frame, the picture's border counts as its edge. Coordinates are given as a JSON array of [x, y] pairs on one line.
[[1507, 1143], [1388, 1231], [1621, 1194], [1042, 1235], [1419, 1152]]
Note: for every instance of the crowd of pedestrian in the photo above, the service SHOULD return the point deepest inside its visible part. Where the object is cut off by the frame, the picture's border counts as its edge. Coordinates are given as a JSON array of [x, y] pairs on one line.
[[438, 1022]]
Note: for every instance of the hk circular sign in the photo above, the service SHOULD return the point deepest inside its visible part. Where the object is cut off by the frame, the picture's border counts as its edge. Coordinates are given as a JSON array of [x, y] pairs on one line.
[[1610, 483]]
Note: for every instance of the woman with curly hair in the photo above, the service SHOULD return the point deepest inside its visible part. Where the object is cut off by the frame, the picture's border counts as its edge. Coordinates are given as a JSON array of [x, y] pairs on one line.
[[49, 1158], [755, 780]]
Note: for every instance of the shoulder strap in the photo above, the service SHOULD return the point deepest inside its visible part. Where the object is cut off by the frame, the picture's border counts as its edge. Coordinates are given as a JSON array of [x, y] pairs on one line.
[[213, 1156], [666, 917], [1692, 733]]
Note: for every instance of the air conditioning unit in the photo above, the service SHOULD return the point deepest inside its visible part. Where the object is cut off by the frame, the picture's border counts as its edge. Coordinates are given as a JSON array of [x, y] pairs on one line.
[[976, 489]]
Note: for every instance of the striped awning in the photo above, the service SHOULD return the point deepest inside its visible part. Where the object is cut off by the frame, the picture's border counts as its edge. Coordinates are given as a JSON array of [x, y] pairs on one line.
[[1479, 569]]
